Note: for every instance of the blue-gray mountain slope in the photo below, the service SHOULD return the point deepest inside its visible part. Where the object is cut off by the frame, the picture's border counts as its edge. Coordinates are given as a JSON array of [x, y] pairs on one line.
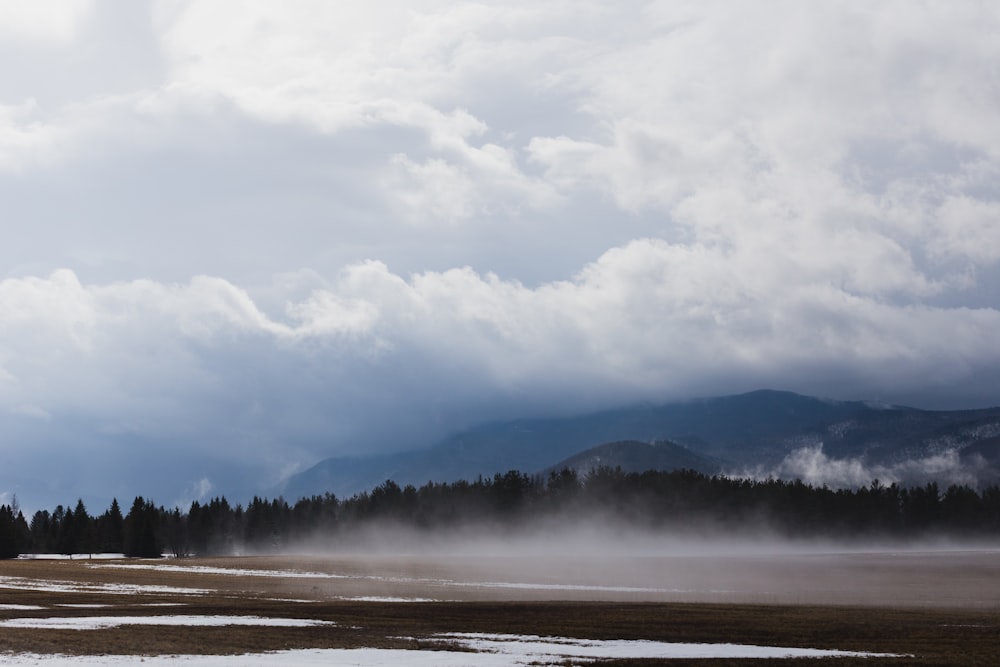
[[635, 456], [753, 429]]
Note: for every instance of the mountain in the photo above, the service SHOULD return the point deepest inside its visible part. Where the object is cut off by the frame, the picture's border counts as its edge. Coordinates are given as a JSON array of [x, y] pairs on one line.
[[635, 456], [748, 430]]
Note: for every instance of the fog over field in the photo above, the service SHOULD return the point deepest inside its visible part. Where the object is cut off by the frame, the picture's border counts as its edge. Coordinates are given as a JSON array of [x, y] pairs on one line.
[[609, 561], [503, 598]]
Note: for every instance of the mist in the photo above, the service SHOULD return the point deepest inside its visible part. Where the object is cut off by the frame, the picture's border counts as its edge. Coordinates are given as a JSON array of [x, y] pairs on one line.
[[581, 530], [813, 466], [603, 537], [602, 560]]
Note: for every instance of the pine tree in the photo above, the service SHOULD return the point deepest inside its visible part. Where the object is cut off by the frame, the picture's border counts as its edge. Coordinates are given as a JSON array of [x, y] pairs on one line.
[[140, 530], [8, 533], [23, 533], [84, 529], [110, 528], [66, 540], [41, 524]]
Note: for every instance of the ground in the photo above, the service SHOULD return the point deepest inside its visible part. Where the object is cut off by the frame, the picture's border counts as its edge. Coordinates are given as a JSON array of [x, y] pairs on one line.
[[939, 607]]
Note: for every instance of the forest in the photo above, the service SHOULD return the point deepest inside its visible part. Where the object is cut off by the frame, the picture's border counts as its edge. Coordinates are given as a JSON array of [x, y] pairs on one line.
[[655, 501]]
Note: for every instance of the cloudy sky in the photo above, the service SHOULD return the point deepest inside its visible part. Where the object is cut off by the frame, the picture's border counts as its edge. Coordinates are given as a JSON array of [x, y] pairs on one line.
[[240, 237]]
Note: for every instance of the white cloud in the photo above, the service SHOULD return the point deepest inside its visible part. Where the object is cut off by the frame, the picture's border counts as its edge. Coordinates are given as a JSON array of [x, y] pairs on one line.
[[388, 66], [581, 204], [814, 467], [772, 111], [201, 362], [649, 318], [45, 20], [199, 490], [23, 138], [968, 228]]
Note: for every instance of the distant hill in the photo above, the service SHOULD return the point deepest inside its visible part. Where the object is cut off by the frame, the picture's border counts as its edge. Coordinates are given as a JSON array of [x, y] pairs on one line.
[[755, 429], [635, 456]]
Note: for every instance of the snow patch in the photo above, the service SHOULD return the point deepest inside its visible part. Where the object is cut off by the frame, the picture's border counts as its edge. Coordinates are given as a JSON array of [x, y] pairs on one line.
[[201, 569], [226, 571], [101, 556], [102, 622], [380, 598], [20, 607], [504, 650], [56, 586], [562, 648]]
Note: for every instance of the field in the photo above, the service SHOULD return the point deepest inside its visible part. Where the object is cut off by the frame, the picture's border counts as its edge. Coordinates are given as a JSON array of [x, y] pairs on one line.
[[925, 608]]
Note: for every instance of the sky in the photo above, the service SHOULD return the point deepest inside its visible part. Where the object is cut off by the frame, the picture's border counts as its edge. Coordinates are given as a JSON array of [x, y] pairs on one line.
[[241, 237]]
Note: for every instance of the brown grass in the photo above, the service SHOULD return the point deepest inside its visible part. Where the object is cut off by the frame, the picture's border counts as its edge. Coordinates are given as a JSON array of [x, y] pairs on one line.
[[931, 635]]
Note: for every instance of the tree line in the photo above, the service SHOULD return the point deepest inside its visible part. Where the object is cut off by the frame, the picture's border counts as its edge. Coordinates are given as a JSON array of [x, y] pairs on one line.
[[652, 500]]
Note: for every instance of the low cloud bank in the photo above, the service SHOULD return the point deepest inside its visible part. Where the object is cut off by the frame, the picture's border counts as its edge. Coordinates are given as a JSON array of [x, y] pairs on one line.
[[813, 466]]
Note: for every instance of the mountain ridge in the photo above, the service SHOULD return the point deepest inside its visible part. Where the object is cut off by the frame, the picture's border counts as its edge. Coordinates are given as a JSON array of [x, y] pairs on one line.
[[635, 456], [752, 430]]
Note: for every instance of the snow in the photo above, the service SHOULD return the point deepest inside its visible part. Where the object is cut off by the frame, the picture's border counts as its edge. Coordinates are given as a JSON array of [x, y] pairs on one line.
[[365, 657], [382, 598], [20, 607], [227, 571], [102, 622], [556, 647], [102, 556], [55, 586], [502, 651], [240, 572]]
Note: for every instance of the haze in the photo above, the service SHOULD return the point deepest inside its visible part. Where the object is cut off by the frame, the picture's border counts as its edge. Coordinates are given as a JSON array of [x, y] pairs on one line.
[[601, 561], [239, 238]]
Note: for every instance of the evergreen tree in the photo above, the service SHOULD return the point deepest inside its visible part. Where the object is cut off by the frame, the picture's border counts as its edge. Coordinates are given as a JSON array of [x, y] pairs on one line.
[[175, 532], [23, 533], [8, 533], [651, 499], [109, 528], [54, 528], [66, 534], [39, 527], [139, 533]]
